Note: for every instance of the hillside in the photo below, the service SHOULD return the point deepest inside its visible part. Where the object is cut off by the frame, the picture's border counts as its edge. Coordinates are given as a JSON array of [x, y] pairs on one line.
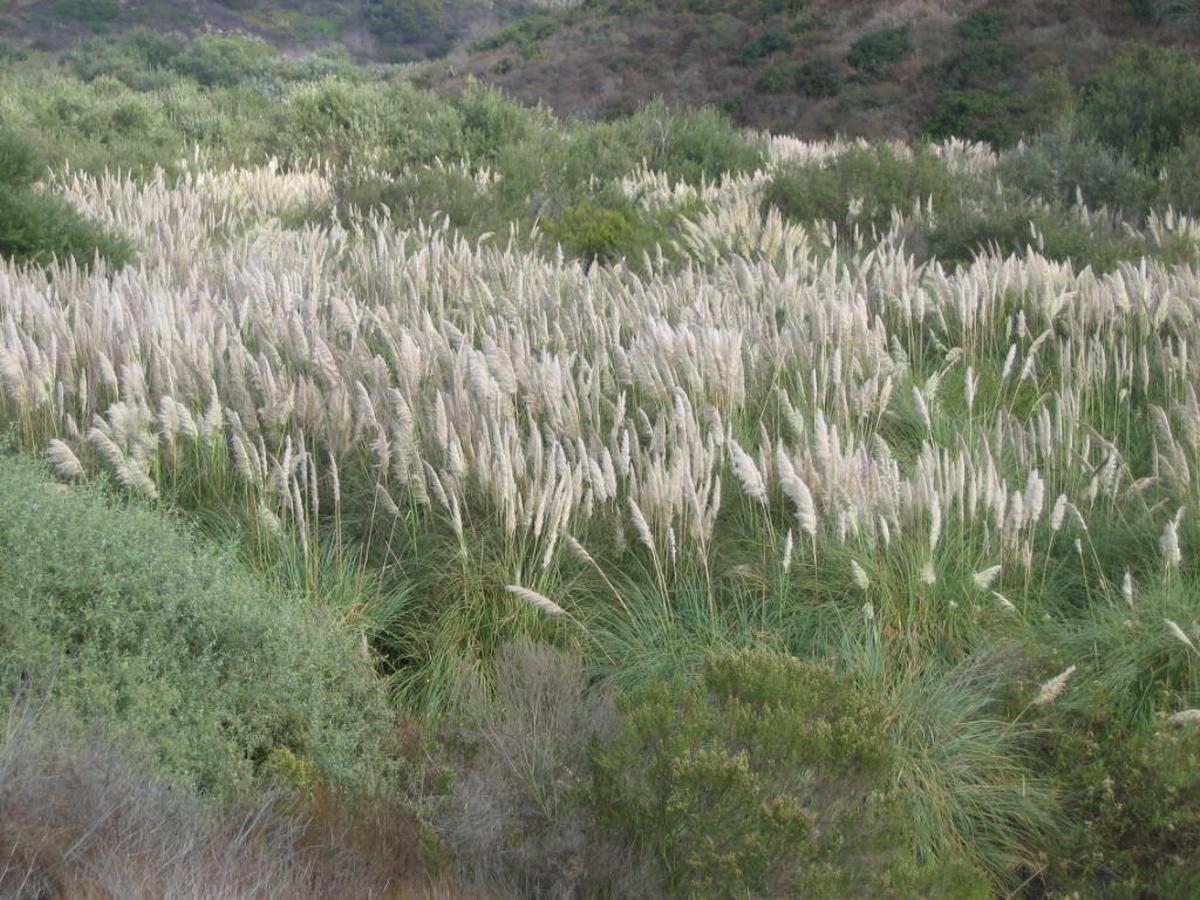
[[810, 67], [889, 68], [821, 67]]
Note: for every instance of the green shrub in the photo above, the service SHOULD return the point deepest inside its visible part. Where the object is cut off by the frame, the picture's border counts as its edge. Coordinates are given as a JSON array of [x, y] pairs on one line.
[[769, 777], [1145, 103], [693, 146], [773, 80], [978, 115], [593, 233], [717, 779], [1135, 804], [406, 18], [1180, 177], [94, 13], [874, 177], [129, 623], [1061, 164], [1011, 227], [20, 164], [816, 78], [876, 52], [37, 227], [762, 46], [226, 61], [982, 64], [986, 24]]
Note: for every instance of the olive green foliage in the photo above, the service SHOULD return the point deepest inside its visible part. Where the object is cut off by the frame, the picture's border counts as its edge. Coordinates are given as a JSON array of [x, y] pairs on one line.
[[593, 233], [876, 176], [1062, 164], [1135, 808], [127, 622], [873, 54], [1034, 207], [39, 227], [1145, 103], [762, 779], [762, 46]]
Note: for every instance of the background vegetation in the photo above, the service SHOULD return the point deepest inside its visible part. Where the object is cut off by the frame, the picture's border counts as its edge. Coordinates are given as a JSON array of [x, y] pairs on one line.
[[637, 507]]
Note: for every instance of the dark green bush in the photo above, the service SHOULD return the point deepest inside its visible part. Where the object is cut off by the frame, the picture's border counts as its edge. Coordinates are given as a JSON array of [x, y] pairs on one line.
[[1009, 227], [1180, 184], [816, 78], [986, 24], [978, 115], [20, 164], [1135, 803], [1145, 103], [129, 623], [94, 13], [405, 18], [696, 145], [762, 46], [224, 61], [876, 52], [38, 227], [983, 64], [774, 80], [769, 777]]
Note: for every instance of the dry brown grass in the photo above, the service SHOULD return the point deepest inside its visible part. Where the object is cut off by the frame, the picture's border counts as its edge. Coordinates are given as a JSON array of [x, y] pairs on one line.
[[81, 819]]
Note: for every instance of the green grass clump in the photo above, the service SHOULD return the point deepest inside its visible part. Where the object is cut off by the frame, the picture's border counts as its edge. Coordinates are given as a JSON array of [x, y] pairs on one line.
[[127, 622]]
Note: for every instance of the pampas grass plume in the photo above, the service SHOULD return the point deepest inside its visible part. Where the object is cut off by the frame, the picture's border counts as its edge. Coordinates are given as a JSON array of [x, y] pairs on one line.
[[533, 598]]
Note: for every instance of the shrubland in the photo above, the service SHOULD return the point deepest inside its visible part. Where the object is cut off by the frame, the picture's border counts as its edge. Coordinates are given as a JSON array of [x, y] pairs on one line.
[[623, 508]]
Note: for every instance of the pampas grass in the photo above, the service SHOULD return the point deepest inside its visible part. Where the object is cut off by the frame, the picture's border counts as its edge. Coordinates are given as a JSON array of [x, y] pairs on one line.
[[536, 600]]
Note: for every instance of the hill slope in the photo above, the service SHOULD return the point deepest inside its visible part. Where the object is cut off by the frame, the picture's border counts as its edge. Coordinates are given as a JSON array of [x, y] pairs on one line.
[[893, 68], [818, 67]]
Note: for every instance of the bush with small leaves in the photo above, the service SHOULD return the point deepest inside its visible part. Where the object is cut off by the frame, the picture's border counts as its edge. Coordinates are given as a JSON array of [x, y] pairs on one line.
[[730, 782], [876, 52], [129, 623]]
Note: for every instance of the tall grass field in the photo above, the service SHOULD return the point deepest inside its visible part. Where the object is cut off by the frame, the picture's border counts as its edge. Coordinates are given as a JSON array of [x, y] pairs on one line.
[[706, 515]]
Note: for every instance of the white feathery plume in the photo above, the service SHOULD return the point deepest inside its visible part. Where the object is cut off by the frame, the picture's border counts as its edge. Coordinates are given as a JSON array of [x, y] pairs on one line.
[[534, 599], [1179, 633], [66, 463], [641, 525], [922, 409], [1127, 588], [984, 579], [860, 575], [747, 473], [1058, 513], [1169, 543], [797, 491], [1053, 689], [935, 521], [787, 551]]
